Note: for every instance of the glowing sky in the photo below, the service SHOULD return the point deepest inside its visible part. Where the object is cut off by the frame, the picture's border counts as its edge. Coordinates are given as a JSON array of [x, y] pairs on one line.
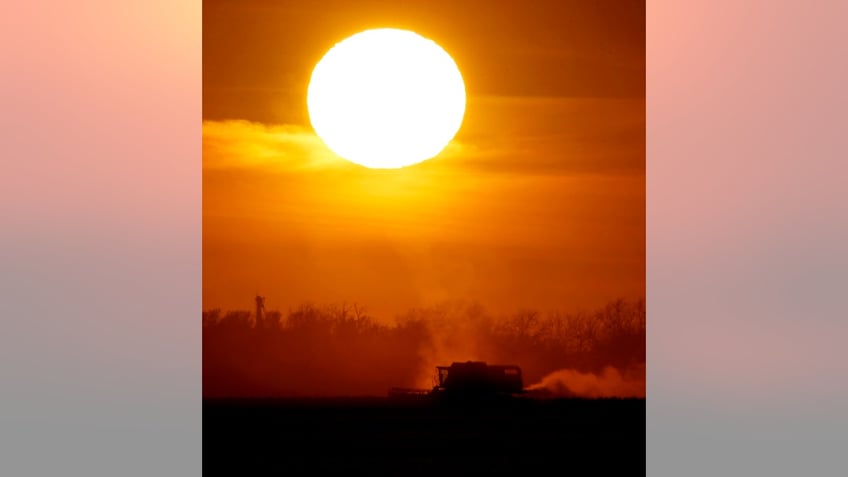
[[538, 202]]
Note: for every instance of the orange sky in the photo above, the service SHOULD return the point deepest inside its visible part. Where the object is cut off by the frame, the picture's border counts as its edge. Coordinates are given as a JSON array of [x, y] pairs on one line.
[[539, 201]]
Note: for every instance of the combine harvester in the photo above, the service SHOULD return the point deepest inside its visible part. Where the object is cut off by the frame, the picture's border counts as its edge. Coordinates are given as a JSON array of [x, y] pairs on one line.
[[468, 381]]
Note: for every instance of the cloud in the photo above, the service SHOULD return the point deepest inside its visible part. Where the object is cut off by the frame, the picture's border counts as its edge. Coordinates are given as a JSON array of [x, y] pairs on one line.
[[513, 136], [555, 136], [243, 144]]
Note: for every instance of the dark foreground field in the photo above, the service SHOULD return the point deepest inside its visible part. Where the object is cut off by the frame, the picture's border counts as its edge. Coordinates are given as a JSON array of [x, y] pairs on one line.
[[383, 437]]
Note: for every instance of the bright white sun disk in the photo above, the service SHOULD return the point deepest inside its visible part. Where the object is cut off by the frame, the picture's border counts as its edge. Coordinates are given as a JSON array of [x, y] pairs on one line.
[[386, 98]]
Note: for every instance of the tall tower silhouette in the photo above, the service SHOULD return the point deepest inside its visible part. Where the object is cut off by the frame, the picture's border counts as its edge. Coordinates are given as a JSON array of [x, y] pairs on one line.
[[260, 311]]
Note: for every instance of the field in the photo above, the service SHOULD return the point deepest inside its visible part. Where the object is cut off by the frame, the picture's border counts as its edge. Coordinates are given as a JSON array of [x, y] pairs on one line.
[[379, 436]]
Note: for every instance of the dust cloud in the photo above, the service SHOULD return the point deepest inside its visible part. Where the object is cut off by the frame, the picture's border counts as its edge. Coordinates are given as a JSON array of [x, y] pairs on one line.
[[609, 383]]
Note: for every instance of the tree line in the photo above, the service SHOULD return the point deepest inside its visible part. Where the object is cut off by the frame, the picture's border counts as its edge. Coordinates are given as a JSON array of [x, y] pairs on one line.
[[343, 350]]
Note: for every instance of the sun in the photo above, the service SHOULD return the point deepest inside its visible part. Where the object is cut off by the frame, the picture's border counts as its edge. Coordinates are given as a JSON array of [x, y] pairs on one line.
[[386, 98]]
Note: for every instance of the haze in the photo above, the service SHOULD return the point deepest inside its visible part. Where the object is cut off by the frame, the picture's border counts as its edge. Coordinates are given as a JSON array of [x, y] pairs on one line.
[[539, 202]]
